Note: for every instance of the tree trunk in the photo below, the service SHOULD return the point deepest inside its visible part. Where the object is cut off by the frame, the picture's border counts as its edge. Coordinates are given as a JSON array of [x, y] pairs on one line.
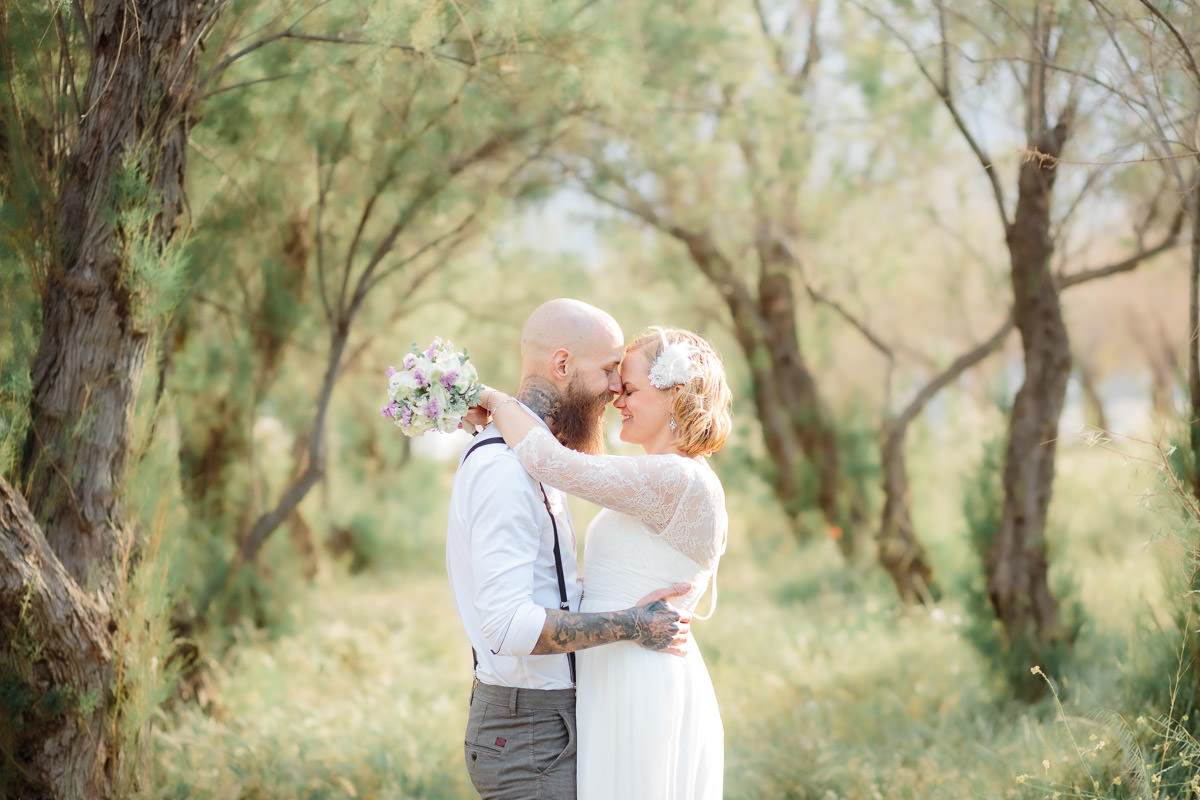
[[139, 98], [898, 549], [809, 420], [1194, 342], [129, 155], [1093, 403], [796, 424], [1016, 562], [54, 669]]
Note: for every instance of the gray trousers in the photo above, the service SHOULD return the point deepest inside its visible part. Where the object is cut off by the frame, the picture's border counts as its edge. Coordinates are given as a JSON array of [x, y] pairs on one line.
[[520, 743]]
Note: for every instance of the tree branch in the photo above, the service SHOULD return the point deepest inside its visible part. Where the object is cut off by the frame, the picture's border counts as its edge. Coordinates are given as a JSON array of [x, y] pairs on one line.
[[1169, 240], [950, 374], [947, 98], [1184, 49]]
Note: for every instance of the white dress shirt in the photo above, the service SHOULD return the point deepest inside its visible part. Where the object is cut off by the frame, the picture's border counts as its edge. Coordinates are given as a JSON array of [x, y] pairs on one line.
[[500, 559]]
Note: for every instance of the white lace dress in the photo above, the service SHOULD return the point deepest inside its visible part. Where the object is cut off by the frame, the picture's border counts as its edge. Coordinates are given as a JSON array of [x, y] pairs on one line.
[[649, 725]]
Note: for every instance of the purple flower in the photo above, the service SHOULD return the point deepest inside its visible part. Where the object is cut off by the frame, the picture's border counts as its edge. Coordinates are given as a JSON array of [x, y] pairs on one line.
[[391, 371], [449, 378], [409, 361], [433, 409], [420, 378], [386, 411], [406, 417], [432, 351]]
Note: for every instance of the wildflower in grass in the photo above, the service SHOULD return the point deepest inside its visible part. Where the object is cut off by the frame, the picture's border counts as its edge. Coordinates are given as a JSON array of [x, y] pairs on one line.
[[1116, 781], [1035, 670], [1022, 778]]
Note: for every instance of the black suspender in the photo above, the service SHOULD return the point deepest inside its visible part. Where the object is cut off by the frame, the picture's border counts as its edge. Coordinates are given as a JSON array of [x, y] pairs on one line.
[[563, 603]]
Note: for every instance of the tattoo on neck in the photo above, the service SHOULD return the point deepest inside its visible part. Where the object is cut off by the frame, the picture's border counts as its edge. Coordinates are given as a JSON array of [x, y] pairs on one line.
[[543, 399]]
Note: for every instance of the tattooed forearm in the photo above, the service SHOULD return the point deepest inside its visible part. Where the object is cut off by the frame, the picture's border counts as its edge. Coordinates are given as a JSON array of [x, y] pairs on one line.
[[653, 626], [543, 399]]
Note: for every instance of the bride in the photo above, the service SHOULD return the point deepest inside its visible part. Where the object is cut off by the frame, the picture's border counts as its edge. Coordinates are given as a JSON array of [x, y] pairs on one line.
[[649, 725]]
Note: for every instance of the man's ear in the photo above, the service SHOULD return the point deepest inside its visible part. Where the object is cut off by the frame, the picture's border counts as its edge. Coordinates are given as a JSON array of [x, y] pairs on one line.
[[558, 363]]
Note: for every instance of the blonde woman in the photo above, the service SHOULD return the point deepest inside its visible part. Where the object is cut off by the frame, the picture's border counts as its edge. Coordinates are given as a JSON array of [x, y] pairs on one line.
[[649, 725]]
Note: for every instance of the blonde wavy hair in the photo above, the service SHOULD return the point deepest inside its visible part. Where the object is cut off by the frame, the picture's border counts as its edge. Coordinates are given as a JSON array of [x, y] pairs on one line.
[[701, 407]]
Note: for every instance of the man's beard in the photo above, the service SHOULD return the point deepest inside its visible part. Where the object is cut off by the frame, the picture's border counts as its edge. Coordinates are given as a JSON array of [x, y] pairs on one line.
[[580, 418]]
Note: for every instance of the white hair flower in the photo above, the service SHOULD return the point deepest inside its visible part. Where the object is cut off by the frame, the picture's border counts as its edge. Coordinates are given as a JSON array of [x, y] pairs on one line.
[[673, 366]]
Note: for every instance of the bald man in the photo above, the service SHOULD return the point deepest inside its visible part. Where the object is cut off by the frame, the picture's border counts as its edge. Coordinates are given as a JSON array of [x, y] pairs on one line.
[[510, 555]]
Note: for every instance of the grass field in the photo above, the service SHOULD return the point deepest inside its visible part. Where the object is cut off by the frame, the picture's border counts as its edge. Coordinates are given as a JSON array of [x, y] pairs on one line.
[[828, 689]]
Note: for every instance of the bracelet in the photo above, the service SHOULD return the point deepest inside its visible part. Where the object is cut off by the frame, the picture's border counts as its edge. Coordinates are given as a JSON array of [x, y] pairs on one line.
[[501, 404]]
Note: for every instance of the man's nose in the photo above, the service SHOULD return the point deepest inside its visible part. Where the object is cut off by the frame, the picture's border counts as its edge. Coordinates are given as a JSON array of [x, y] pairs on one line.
[[614, 384]]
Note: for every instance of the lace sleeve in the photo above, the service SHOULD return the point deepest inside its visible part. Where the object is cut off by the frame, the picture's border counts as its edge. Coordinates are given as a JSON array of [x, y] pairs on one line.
[[647, 487]]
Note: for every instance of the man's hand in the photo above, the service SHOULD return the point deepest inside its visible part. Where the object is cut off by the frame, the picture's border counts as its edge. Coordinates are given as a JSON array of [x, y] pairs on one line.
[[653, 623], [658, 624]]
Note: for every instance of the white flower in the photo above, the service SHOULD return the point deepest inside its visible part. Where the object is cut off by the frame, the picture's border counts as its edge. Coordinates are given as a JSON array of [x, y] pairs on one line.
[[673, 366], [402, 384]]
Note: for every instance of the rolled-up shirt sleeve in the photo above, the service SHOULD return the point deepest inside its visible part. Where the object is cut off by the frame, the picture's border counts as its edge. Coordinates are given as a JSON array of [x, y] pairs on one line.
[[505, 537]]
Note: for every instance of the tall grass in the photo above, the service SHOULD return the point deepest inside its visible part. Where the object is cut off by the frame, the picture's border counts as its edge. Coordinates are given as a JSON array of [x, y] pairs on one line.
[[829, 690]]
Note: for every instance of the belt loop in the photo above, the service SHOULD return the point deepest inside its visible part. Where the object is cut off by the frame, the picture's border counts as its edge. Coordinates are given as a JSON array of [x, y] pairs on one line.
[[512, 702], [474, 685]]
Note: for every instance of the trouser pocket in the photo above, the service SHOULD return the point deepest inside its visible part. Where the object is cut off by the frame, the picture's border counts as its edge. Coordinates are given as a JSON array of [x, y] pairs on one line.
[[555, 741], [521, 756]]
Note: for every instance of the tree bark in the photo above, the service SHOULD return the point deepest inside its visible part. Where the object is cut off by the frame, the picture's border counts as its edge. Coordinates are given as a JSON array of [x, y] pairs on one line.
[[129, 154], [1016, 562], [55, 661], [1093, 403], [809, 422], [1194, 341], [899, 551], [796, 423], [139, 98]]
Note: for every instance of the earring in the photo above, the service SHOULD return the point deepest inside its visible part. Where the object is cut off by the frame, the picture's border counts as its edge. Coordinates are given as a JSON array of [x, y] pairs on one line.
[[671, 424]]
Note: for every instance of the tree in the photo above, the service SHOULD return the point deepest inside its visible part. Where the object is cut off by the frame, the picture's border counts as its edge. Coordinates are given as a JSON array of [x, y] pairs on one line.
[[1042, 51], [416, 147], [101, 180], [1158, 81], [115, 158], [715, 153]]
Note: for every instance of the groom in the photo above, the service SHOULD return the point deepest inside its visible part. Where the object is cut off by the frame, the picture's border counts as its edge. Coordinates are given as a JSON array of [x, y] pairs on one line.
[[510, 554]]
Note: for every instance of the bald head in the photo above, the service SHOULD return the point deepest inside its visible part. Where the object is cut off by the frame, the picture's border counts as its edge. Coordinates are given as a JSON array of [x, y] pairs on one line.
[[570, 358], [562, 332]]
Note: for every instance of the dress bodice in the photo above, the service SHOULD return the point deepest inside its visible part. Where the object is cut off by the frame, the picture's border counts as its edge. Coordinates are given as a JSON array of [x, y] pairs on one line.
[[625, 560]]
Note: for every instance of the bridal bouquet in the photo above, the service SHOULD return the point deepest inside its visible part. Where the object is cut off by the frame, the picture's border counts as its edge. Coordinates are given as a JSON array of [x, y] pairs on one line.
[[432, 391]]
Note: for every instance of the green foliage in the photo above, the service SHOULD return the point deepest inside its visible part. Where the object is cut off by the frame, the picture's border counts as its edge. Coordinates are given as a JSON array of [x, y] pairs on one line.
[[155, 276]]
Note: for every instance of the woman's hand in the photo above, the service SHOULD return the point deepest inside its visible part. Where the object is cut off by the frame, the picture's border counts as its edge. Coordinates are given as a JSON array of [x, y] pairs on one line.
[[477, 416]]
